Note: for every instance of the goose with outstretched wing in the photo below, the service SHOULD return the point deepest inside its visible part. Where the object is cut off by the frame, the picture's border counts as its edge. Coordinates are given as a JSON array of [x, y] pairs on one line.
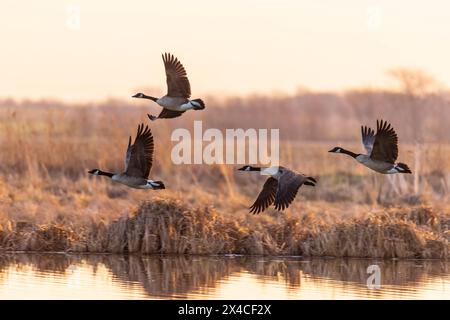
[[177, 100], [381, 148], [138, 162], [280, 189]]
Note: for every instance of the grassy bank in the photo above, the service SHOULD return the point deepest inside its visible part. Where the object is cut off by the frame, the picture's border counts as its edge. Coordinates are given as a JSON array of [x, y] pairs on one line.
[[171, 227]]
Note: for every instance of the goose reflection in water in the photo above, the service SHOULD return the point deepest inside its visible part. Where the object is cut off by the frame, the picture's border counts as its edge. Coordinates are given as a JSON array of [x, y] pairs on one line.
[[182, 277]]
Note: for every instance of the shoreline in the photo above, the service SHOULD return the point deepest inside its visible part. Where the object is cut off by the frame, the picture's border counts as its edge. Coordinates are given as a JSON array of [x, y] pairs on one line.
[[168, 226]]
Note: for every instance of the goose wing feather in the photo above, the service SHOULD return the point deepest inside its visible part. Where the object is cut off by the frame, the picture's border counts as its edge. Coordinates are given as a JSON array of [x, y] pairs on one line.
[[385, 146], [368, 138], [265, 197], [176, 77], [168, 114], [288, 185], [139, 155]]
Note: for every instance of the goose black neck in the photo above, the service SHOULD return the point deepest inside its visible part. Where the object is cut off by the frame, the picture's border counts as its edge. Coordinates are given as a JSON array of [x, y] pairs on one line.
[[103, 173], [254, 168], [351, 154], [149, 97]]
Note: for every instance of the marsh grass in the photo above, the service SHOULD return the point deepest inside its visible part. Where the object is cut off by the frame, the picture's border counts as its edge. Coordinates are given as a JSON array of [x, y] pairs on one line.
[[48, 202], [167, 226]]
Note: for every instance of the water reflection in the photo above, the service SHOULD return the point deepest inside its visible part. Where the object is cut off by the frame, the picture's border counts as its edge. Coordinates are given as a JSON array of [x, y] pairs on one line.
[[124, 277]]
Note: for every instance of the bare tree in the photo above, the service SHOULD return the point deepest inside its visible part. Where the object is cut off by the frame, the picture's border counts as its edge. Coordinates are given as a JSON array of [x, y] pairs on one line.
[[414, 82]]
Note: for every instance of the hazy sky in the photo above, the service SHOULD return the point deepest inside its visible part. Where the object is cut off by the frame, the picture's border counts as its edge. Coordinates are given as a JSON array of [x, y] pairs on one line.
[[228, 47]]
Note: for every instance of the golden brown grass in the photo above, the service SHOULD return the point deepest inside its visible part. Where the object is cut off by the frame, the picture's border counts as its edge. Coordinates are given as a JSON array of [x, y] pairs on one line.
[[48, 202], [170, 227]]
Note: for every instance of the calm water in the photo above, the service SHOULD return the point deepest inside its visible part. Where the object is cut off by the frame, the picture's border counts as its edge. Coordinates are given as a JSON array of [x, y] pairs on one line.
[[62, 276]]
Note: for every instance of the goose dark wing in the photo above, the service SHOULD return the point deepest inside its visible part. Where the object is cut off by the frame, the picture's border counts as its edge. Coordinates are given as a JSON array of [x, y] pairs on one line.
[[288, 185], [368, 138], [265, 197], [385, 146], [140, 154], [167, 114], [176, 77]]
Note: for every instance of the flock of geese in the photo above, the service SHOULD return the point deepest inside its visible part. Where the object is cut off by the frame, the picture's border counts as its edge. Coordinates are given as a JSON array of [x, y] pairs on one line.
[[282, 185]]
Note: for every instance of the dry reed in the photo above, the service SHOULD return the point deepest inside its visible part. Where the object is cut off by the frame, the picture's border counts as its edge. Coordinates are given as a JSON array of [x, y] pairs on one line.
[[170, 227], [49, 203]]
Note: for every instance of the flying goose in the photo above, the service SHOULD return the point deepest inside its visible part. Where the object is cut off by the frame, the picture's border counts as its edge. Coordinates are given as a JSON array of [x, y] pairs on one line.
[[176, 101], [382, 150], [279, 189], [138, 162]]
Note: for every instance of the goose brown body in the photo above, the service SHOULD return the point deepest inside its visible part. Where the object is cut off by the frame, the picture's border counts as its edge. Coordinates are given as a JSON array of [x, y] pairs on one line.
[[177, 100], [280, 189], [138, 163], [382, 150]]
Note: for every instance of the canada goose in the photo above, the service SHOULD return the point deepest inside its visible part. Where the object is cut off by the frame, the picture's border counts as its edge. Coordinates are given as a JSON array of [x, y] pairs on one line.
[[382, 150], [138, 162], [279, 189], [176, 101]]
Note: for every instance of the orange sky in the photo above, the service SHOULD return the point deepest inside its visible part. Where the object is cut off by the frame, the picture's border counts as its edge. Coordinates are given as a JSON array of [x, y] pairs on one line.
[[227, 47]]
